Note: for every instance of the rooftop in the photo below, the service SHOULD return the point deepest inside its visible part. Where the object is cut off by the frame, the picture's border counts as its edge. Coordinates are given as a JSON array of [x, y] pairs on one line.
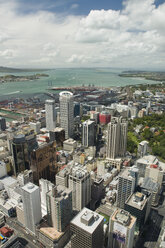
[[30, 187], [50, 232], [87, 220], [123, 217], [137, 200]]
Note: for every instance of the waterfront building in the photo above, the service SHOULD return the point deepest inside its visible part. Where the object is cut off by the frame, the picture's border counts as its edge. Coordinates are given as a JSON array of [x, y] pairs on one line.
[[87, 230], [67, 113], [50, 115], [31, 206]]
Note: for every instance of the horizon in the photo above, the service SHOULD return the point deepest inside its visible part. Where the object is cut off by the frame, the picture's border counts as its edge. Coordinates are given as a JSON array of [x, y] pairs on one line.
[[79, 33]]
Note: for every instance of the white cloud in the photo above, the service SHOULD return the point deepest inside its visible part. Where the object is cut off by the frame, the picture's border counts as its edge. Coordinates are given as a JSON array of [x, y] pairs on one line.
[[131, 37]]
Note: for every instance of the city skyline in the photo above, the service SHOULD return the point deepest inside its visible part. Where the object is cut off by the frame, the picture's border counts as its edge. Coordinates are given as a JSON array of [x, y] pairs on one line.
[[125, 34]]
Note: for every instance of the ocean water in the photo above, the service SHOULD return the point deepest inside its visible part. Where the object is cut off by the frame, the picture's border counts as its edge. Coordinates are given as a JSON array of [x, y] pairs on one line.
[[103, 77]]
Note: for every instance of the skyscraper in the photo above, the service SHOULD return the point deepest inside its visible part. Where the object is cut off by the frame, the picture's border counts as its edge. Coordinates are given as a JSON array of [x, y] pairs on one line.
[[59, 207], [50, 115], [88, 133], [87, 230], [2, 124], [121, 229], [31, 206], [67, 113], [126, 187], [80, 184], [117, 138]]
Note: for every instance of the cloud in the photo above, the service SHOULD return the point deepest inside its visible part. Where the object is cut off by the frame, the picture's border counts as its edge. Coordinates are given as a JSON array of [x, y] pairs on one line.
[[131, 37]]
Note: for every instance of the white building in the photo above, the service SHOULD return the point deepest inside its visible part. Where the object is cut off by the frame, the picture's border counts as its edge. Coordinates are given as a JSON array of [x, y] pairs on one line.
[[3, 170], [88, 133], [80, 184], [36, 126], [67, 113], [143, 148], [25, 177], [87, 230], [50, 115], [69, 145], [125, 187], [45, 187], [121, 229], [31, 206]]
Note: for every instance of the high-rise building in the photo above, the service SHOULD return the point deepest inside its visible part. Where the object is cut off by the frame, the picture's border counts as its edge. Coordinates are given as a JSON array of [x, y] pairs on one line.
[[126, 187], [2, 124], [117, 138], [121, 228], [43, 162], [143, 148], [31, 206], [139, 205], [87, 230], [50, 115], [88, 133], [25, 177], [66, 113], [80, 184], [59, 207], [45, 187]]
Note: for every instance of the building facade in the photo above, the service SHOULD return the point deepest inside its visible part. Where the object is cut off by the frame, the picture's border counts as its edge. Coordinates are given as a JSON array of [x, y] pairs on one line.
[[50, 115], [88, 133], [67, 113]]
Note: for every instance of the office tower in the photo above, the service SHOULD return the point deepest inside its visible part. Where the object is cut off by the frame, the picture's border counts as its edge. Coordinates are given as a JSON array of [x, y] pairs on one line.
[[121, 228], [20, 154], [143, 148], [66, 113], [36, 126], [43, 162], [139, 205], [76, 109], [117, 138], [45, 187], [50, 115], [88, 133], [126, 187], [57, 135], [59, 207], [80, 184], [2, 124], [31, 206], [87, 230], [25, 177]]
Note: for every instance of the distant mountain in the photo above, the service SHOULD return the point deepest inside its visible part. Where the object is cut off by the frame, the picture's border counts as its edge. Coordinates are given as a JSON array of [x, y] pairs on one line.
[[12, 70]]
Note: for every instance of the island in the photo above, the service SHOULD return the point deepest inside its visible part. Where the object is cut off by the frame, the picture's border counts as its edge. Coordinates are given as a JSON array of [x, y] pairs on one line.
[[13, 78], [156, 76]]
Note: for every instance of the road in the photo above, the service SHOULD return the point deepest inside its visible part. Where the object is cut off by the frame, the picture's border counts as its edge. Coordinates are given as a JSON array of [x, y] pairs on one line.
[[21, 232]]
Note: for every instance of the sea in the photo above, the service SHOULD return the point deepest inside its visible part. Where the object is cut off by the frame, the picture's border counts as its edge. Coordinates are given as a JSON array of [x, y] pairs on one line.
[[100, 77]]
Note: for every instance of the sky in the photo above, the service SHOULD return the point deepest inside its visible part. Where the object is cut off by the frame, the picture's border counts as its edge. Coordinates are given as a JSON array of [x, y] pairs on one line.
[[82, 33]]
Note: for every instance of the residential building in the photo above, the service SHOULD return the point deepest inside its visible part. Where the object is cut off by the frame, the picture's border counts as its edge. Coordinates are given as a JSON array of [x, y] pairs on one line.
[[143, 148]]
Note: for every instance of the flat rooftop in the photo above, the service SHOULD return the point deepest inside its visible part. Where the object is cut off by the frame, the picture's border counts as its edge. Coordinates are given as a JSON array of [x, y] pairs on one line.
[[137, 200], [50, 232], [30, 187], [87, 220], [124, 218]]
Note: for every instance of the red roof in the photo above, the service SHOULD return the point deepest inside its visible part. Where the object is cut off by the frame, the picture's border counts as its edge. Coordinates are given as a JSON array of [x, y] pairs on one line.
[[155, 166]]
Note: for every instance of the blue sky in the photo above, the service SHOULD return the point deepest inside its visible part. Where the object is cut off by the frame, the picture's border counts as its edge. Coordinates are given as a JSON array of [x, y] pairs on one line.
[[82, 33]]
